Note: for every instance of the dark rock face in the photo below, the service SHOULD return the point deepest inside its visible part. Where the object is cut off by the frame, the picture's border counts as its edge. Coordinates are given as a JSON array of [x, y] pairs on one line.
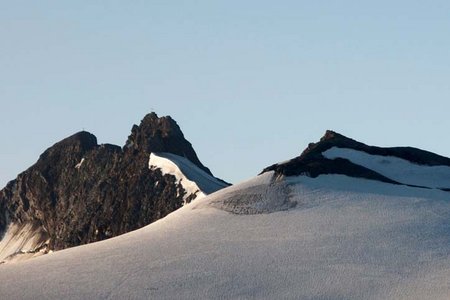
[[417, 156], [161, 135], [312, 163], [80, 192]]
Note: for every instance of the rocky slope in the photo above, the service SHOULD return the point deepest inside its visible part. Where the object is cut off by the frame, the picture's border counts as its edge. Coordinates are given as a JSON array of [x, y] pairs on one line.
[[80, 192], [337, 154]]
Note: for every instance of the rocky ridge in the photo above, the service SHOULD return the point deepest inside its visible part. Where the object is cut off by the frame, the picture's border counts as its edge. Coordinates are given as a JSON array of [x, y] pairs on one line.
[[80, 192], [312, 162]]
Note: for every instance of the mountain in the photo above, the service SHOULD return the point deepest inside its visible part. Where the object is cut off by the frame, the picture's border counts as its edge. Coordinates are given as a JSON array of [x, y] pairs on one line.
[[303, 229], [80, 192], [337, 154]]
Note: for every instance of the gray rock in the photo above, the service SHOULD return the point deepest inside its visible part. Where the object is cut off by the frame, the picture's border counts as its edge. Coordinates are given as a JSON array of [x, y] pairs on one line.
[[80, 192]]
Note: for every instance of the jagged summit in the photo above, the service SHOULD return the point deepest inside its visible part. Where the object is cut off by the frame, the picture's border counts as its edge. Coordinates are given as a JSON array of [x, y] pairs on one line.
[[80, 192], [338, 154], [152, 132], [161, 134]]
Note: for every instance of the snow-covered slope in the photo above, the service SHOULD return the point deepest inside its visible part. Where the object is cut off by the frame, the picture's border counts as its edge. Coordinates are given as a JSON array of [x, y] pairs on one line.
[[338, 154], [80, 192], [395, 168], [196, 182], [330, 237]]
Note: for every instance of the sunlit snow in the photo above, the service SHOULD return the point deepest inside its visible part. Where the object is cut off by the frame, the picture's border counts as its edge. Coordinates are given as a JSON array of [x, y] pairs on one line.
[[193, 179], [346, 238], [395, 168]]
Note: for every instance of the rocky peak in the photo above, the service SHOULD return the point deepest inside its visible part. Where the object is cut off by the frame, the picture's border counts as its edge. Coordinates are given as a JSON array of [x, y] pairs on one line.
[[312, 162], [333, 139], [161, 134], [80, 192], [330, 134], [328, 140], [77, 144]]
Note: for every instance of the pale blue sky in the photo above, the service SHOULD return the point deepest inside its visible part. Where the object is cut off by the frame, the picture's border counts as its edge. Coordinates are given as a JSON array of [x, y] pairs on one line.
[[249, 82]]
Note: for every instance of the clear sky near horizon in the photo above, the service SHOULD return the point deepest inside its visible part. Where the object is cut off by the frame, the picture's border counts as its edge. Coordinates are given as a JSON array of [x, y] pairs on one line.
[[249, 82]]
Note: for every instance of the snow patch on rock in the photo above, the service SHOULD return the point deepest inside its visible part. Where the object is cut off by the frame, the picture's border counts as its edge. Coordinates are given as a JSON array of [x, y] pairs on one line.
[[79, 164], [395, 168], [196, 182]]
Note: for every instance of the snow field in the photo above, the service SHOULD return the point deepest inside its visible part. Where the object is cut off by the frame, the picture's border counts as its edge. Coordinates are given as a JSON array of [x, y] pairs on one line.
[[346, 238]]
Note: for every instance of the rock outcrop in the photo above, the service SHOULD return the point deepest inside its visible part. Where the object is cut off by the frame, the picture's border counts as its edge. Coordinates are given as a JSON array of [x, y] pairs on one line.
[[80, 192], [312, 162]]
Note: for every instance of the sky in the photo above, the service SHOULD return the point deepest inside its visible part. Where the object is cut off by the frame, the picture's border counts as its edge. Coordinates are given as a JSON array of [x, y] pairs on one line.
[[250, 83]]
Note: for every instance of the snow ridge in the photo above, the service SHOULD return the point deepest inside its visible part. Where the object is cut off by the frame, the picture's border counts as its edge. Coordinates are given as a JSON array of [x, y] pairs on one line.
[[196, 182]]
